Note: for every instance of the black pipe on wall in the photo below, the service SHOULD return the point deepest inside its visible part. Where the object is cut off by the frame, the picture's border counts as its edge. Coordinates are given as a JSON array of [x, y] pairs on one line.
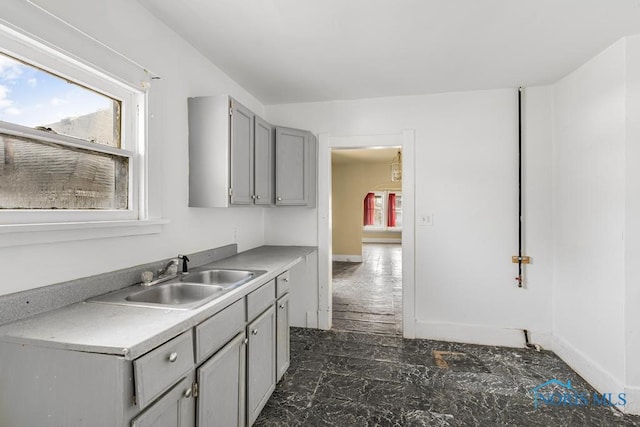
[[519, 278]]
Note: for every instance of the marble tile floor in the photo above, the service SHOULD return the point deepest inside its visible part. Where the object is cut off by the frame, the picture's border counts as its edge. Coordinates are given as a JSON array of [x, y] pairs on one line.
[[340, 378], [367, 296]]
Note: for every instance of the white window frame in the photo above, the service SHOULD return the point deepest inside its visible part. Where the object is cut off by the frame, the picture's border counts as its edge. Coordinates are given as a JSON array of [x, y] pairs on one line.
[[385, 210], [132, 144]]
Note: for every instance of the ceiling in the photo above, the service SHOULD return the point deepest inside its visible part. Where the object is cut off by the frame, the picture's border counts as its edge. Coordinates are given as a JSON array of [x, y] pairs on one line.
[[364, 155], [288, 51]]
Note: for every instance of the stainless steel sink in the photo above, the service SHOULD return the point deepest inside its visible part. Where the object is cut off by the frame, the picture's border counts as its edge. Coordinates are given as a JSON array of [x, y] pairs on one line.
[[221, 277], [184, 293], [175, 293]]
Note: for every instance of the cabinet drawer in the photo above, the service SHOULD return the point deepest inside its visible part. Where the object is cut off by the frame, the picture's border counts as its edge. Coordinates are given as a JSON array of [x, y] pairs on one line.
[[159, 369], [260, 299], [282, 284], [216, 331]]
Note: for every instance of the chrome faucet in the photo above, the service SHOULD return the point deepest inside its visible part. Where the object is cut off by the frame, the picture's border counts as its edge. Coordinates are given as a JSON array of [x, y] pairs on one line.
[[168, 272], [171, 269]]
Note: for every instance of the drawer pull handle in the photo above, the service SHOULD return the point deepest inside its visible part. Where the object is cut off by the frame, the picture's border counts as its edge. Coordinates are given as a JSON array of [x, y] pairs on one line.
[[173, 357], [281, 306], [254, 332], [187, 393]]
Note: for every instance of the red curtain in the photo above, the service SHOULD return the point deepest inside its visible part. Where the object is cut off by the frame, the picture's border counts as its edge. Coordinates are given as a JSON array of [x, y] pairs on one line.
[[369, 209], [391, 214]]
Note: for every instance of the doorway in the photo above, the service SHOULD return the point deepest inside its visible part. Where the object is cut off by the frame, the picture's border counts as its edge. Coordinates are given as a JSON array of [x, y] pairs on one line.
[[406, 140], [366, 200]]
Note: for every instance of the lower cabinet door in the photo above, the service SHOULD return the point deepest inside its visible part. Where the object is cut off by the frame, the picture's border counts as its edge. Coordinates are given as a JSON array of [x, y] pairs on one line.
[[221, 387], [175, 409], [261, 362], [282, 335]]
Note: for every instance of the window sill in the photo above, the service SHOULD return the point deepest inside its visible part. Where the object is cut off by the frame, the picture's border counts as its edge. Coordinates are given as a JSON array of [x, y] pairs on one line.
[[382, 230], [33, 234]]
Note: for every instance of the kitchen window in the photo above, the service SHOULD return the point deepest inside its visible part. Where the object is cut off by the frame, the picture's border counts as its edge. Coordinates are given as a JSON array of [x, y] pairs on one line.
[[382, 211], [71, 140]]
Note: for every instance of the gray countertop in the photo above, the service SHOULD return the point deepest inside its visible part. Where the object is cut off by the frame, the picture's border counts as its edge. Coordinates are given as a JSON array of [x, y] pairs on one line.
[[130, 331]]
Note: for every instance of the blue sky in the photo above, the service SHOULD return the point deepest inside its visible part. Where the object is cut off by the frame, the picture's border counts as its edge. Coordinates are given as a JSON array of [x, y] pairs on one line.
[[31, 97]]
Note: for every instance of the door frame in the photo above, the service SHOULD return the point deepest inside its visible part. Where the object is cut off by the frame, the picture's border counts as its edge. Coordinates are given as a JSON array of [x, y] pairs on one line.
[[326, 142]]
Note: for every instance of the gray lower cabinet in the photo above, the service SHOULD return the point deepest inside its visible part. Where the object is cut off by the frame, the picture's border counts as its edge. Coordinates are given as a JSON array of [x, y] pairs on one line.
[[282, 336], [175, 409], [219, 373], [261, 362], [295, 167], [221, 386]]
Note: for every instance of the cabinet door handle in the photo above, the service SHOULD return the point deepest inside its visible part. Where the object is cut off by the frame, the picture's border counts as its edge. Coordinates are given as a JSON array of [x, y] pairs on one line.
[[258, 197], [279, 199], [187, 393], [285, 280], [173, 357], [254, 332], [246, 341], [281, 306]]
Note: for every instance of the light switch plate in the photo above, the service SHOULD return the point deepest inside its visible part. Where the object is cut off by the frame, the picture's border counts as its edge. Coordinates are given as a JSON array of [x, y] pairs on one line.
[[425, 220]]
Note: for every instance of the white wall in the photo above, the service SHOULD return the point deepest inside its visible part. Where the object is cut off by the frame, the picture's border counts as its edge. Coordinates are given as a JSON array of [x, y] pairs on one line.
[[632, 234], [466, 175], [128, 28], [589, 218]]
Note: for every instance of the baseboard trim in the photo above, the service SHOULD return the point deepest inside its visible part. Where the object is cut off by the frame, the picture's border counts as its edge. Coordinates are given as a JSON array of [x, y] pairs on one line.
[[381, 240], [633, 401], [477, 334], [587, 368], [347, 258]]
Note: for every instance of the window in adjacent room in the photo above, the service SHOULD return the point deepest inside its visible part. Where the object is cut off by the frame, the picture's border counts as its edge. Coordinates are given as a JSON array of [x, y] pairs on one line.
[[382, 211]]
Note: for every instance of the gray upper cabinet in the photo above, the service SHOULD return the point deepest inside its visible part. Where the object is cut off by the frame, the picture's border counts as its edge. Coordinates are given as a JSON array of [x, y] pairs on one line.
[[263, 162], [295, 158], [238, 159], [230, 154], [209, 156], [242, 133]]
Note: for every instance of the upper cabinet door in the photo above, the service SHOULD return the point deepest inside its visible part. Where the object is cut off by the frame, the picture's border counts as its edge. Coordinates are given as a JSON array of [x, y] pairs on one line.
[[294, 167], [241, 154], [263, 162]]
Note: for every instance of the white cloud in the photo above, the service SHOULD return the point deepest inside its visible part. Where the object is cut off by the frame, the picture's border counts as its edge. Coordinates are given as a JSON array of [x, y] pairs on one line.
[[32, 82], [10, 69], [4, 97], [13, 111], [56, 102]]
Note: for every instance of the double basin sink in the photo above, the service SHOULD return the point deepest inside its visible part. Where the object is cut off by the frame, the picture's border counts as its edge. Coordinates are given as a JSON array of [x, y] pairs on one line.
[[184, 292]]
